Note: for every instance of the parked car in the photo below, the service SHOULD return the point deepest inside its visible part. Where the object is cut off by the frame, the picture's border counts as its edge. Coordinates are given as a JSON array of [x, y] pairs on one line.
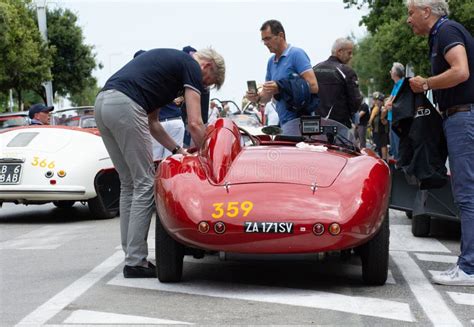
[[14, 119], [282, 194], [60, 164]]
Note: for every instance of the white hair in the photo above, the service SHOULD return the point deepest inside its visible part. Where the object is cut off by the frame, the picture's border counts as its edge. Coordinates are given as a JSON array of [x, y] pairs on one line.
[[438, 7], [399, 69], [341, 43], [211, 55]]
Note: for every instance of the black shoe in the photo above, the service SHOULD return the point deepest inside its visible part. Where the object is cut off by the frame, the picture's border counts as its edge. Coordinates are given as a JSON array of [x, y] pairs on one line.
[[140, 272]]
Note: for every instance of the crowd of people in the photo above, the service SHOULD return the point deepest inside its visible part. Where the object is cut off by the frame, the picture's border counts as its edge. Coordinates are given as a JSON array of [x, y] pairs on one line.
[[140, 102]]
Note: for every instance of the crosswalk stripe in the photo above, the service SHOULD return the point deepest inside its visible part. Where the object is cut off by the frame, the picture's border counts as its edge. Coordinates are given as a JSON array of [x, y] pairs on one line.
[[58, 302], [401, 239], [462, 298], [45, 238], [96, 317], [437, 258], [367, 306], [430, 300]]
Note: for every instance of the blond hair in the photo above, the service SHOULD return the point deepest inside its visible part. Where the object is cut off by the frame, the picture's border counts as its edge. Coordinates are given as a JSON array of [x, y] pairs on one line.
[[211, 55]]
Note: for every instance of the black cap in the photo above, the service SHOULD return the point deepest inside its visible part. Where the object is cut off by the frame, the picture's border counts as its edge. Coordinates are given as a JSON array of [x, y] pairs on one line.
[[39, 107]]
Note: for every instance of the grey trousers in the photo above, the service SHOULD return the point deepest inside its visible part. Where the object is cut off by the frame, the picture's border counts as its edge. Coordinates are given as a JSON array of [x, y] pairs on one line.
[[123, 125]]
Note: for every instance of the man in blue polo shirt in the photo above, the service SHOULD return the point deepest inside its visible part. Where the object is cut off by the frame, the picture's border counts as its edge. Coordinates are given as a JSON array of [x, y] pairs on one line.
[[452, 82], [126, 112], [286, 61]]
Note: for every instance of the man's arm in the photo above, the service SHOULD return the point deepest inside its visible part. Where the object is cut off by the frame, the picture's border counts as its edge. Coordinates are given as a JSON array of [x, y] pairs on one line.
[[457, 73], [193, 109], [160, 134], [354, 97], [310, 77]]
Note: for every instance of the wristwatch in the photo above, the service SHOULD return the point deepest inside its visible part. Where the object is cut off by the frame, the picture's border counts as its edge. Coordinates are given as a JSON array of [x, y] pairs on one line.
[[176, 149]]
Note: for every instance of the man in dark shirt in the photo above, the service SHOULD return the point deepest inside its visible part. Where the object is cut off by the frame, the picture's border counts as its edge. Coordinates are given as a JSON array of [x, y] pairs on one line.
[[452, 82], [126, 112], [40, 114], [364, 116], [338, 85]]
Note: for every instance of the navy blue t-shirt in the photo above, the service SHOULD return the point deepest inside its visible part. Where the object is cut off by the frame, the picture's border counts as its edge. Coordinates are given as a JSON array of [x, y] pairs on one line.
[[442, 38], [156, 77], [170, 111]]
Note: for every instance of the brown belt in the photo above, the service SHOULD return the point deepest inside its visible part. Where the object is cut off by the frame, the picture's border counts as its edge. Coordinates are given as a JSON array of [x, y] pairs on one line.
[[459, 108]]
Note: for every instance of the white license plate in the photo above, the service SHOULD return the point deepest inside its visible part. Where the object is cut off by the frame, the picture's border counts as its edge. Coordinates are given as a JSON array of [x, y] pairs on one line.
[[268, 227], [10, 173]]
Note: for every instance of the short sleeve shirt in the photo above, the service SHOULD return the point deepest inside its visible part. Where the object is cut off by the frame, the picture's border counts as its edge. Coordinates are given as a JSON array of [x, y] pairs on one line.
[[292, 61], [394, 93], [444, 37], [156, 77]]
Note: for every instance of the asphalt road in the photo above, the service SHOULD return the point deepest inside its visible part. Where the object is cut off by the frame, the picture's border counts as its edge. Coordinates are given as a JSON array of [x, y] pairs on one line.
[[58, 267]]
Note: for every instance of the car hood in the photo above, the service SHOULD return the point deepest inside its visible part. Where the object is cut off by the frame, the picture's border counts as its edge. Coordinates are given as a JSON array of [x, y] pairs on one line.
[[45, 140], [264, 164]]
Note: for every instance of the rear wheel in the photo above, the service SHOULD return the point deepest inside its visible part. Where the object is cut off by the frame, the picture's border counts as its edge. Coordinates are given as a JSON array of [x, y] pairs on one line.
[[169, 255], [374, 255], [420, 225], [99, 210], [64, 203]]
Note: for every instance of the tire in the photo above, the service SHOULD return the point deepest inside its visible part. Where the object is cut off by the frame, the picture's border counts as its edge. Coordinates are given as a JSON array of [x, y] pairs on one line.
[[64, 203], [99, 210], [374, 255], [169, 256], [420, 225]]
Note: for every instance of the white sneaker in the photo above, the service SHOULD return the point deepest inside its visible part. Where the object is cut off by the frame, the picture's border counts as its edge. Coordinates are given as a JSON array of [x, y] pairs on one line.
[[454, 276]]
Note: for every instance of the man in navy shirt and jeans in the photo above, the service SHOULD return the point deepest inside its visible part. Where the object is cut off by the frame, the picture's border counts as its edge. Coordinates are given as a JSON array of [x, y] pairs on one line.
[[452, 66], [126, 112]]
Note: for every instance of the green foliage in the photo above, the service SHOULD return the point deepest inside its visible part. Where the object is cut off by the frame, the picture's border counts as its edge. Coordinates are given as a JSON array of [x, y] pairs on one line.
[[86, 97], [391, 40], [24, 57], [74, 61]]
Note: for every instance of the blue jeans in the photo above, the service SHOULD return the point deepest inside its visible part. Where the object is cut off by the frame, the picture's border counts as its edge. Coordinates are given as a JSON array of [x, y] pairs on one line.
[[459, 132], [394, 143]]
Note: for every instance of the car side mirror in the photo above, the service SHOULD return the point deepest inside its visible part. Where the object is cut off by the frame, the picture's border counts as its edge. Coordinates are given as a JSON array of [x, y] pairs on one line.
[[272, 130]]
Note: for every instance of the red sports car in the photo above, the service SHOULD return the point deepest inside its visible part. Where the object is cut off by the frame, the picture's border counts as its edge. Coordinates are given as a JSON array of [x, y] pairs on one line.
[[282, 194]]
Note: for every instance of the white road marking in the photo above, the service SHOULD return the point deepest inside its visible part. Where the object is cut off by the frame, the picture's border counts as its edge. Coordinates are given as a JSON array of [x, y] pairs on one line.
[[430, 300], [58, 302], [401, 239], [437, 258], [96, 317], [367, 306], [462, 298], [45, 238]]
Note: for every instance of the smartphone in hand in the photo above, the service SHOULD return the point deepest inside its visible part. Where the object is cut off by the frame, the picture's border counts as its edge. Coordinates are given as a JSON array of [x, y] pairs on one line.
[[252, 87]]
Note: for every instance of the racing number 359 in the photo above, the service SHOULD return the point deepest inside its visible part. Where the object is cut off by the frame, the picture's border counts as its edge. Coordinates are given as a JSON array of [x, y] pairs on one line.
[[232, 209]]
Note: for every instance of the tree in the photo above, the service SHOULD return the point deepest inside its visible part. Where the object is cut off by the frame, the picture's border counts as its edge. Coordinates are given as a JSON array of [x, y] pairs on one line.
[[24, 57], [86, 96], [74, 61]]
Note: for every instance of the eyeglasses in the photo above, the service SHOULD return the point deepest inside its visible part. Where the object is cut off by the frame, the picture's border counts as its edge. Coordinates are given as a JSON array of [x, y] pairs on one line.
[[268, 38]]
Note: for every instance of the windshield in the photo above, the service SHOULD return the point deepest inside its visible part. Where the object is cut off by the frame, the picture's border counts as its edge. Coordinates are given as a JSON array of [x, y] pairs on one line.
[[245, 121], [333, 132], [78, 117]]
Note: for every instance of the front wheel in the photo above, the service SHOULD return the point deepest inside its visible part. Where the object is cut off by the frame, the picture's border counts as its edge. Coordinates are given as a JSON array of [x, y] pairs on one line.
[[374, 255], [169, 255]]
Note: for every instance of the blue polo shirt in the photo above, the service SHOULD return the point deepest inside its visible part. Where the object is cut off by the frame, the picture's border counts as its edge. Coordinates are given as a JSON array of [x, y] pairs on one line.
[[445, 35], [293, 61], [156, 77], [395, 89]]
